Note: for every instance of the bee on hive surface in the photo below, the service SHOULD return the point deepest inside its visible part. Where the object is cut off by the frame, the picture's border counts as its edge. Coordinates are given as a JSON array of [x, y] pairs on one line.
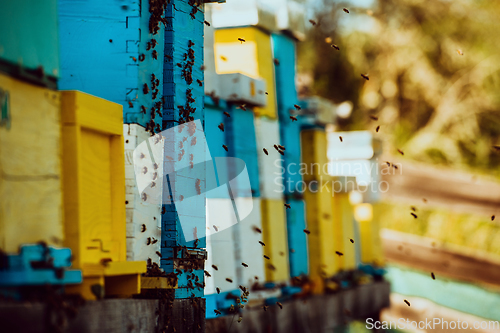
[[229, 280], [148, 46], [276, 147], [215, 267], [262, 243], [143, 228], [335, 47], [221, 127], [145, 88], [218, 290], [293, 118], [225, 147], [241, 40], [365, 76], [134, 58], [352, 240], [340, 138], [207, 23], [288, 206], [281, 147], [266, 93], [282, 153], [142, 57], [130, 105], [158, 253], [307, 231], [148, 241], [407, 303], [276, 62], [345, 10], [401, 152], [200, 83], [265, 151], [227, 114]]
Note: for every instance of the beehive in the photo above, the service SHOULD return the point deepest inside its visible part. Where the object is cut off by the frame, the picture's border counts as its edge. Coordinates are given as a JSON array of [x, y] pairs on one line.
[[297, 239], [30, 165], [253, 58], [369, 232], [314, 145], [94, 194], [274, 236]]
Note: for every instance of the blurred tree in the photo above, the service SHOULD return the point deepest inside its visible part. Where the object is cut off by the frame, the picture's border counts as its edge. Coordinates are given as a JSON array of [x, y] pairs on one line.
[[434, 69]]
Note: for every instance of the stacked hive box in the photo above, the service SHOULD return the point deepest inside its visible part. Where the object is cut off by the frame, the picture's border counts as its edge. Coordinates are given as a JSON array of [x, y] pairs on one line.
[[254, 58], [94, 195], [322, 243], [30, 136], [284, 51]]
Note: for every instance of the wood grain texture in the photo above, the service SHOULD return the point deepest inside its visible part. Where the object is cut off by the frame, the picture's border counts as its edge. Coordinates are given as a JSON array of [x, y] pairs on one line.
[[30, 167]]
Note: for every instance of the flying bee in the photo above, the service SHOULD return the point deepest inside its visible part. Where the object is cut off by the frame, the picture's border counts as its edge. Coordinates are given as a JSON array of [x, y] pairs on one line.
[[345, 10], [229, 280], [143, 228], [276, 147], [395, 166], [413, 208], [276, 62], [215, 267], [271, 267], [265, 307], [217, 312], [401, 152], [373, 117], [111, 41], [297, 106], [244, 265], [282, 153], [199, 82], [414, 215], [262, 243], [215, 228], [424, 200], [407, 303], [154, 241], [352, 240], [281, 147], [202, 67], [265, 151], [225, 147], [158, 253], [145, 89], [293, 118], [365, 76], [257, 229], [340, 254], [288, 206], [307, 231], [218, 290], [335, 47], [378, 127], [130, 105], [142, 57], [340, 138], [207, 23], [492, 217], [433, 276], [227, 114], [312, 22], [280, 305], [134, 58], [223, 58], [266, 257], [240, 319], [241, 40], [266, 93], [242, 107], [460, 52], [221, 127]]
